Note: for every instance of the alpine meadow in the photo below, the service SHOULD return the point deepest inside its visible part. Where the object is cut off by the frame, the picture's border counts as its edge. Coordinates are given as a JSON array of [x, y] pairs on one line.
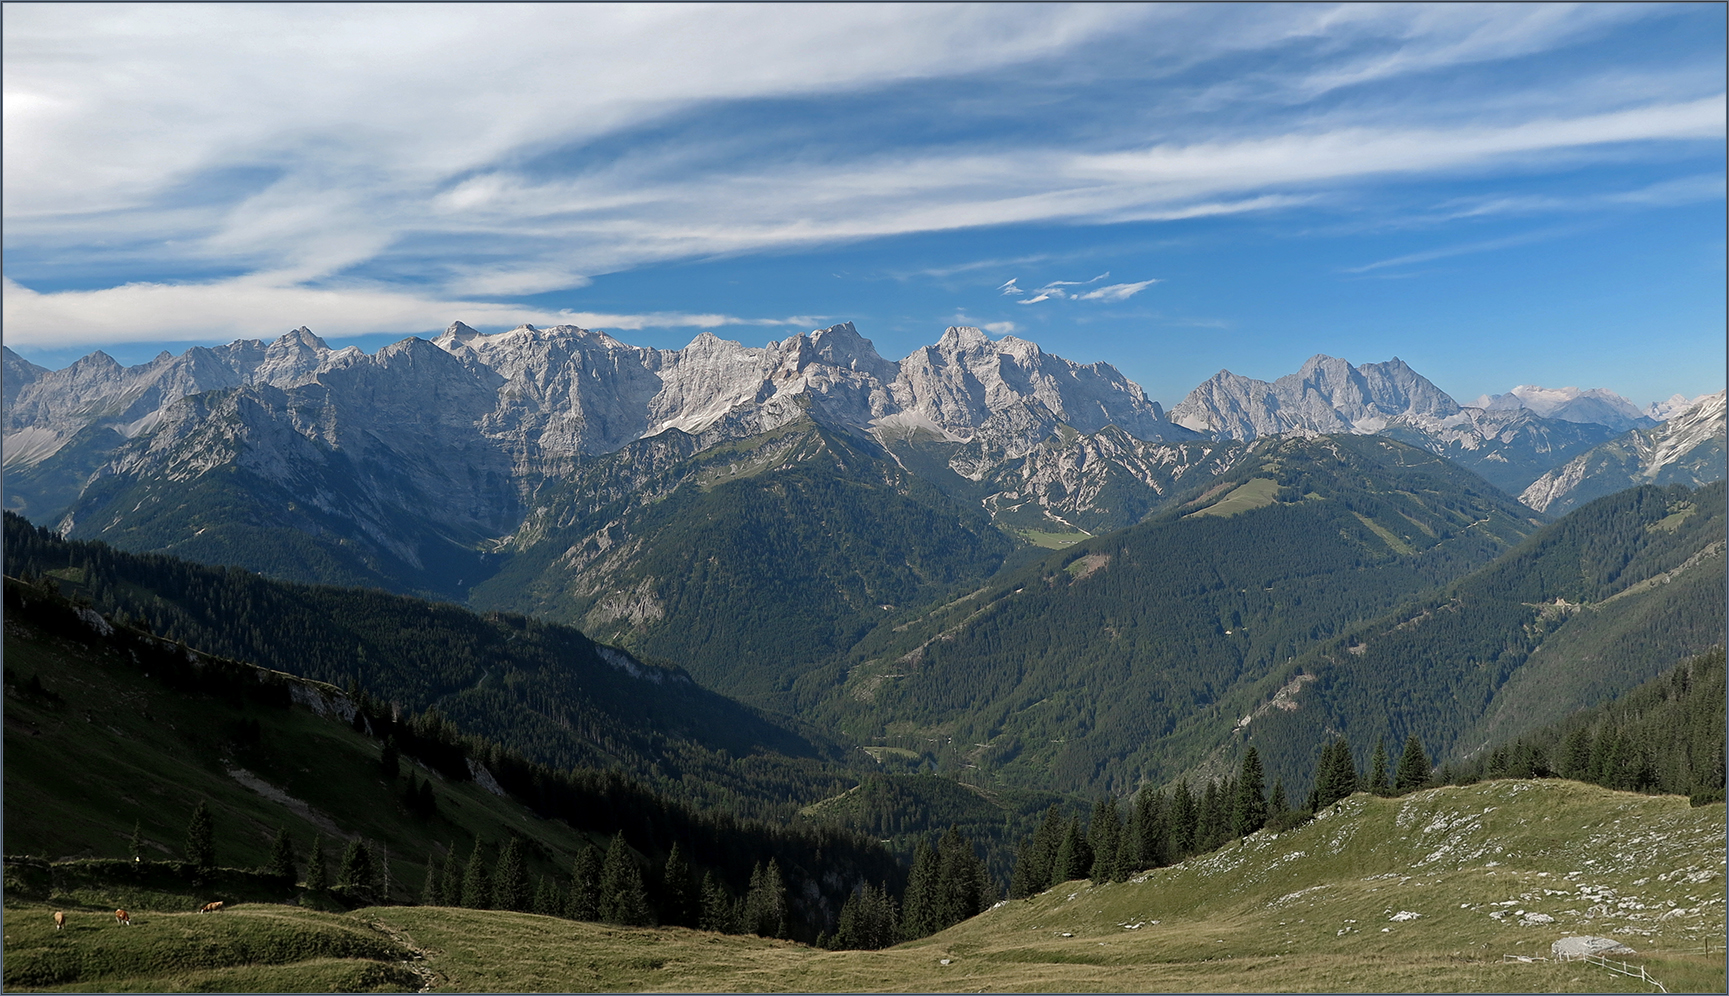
[[864, 498]]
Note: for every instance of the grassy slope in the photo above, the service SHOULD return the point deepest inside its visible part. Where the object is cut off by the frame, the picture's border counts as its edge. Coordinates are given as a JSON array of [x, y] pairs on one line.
[[122, 748], [1308, 910]]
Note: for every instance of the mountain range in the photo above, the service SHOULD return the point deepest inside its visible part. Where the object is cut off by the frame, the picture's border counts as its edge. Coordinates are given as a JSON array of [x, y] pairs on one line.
[[982, 558]]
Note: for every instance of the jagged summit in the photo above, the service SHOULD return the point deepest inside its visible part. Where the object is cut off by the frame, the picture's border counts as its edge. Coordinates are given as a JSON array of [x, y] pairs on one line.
[[1570, 404], [1326, 395]]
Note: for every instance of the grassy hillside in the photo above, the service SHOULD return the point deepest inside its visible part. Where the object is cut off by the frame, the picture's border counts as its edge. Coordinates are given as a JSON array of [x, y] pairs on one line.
[[1423, 893]]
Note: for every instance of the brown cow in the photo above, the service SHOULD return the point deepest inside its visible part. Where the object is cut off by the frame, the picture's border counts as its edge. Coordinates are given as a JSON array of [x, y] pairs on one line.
[[210, 907], [123, 917], [59, 919]]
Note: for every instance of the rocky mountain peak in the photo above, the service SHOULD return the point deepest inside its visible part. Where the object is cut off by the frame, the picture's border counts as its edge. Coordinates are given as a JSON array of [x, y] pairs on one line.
[[1325, 395]]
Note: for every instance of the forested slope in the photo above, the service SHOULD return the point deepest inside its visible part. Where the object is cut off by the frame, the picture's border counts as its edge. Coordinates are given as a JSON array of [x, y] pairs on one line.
[[1609, 596], [1107, 663], [540, 688]]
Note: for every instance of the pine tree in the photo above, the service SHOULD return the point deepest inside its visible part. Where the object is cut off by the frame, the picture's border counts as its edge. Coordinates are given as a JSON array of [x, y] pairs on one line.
[[1105, 834], [1378, 783], [584, 900], [1249, 808], [201, 839], [135, 847], [623, 899], [1413, 766], [476, 883], [1211, 820], [677, 905], [510, 880], [281, 855], [316, 878], [717, 906]]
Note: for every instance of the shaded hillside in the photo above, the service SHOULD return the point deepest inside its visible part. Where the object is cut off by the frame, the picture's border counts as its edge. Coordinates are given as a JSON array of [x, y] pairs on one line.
[[542, 689], [113, 735], [1591, 605], [1105, 664], [747, 562]]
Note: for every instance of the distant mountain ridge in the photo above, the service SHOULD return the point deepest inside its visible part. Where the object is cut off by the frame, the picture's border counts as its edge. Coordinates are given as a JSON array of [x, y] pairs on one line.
[[416, 468], [1688, 449]]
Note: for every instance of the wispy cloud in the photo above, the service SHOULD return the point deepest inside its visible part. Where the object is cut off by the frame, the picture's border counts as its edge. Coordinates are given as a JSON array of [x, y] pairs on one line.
[[254, 307], [1465, 249], [1116, 292]]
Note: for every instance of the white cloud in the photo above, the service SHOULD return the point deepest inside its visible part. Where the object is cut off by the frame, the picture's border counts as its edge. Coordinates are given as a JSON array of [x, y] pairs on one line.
[[306, 142], [254, 307], [1116, 292], [1001, 328]]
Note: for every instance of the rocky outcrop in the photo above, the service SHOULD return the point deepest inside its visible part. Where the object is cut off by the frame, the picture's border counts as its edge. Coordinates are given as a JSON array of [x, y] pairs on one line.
[[1687, 449], [1326, 396]]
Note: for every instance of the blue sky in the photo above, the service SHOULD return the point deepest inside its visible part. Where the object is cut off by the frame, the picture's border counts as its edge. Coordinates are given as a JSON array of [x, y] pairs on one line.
[[1496, 194]]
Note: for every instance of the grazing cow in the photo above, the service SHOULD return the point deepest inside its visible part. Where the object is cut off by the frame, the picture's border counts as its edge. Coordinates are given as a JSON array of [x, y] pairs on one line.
[[59, 919], [122, 917], [210, 907]]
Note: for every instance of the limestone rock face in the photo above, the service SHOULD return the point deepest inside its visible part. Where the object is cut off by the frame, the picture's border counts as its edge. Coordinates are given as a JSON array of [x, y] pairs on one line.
[[1687, 449], [1326, 396]]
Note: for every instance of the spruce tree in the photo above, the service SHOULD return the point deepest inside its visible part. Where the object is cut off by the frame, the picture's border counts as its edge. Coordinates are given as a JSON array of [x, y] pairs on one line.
[[623, 898], [1184, 822], [717, 906], [1105, 834], [1279, 808], [677, 903], [135, 847], [962, 883], [476, 883], [450, 883], [281, 855], [918, 904], [1576, 754], [315, 872], [1378, 778], [584, 900], [510, 880], [1345, 776], [766, 912], [1211, 822], [1074, 857], [354, 875], [201, 839], [1249, 808], [547, 901], [1152, 829], [1413, 766]]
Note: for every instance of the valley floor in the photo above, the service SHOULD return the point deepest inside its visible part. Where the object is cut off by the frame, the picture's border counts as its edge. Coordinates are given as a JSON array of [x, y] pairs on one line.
[[1427, 893]]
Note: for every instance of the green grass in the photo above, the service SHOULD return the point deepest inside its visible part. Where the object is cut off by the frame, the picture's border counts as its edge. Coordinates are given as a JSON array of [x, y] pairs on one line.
[[1256, 492], [249, 948], [1050, 541], [1398, 545], [1310, 910]]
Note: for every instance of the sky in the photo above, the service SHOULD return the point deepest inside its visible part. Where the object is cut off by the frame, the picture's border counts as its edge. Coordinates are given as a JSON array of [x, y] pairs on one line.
[[1498, 195]]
